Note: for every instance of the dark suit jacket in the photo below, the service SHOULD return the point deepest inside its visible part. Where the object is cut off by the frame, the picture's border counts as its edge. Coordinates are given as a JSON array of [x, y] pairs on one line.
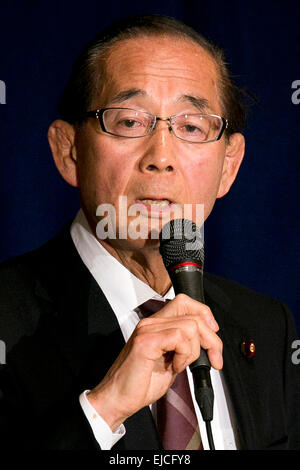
[[62, 336]]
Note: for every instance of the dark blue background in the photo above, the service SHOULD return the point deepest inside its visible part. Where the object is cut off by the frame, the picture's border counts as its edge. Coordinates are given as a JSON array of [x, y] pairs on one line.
[[253, 234]]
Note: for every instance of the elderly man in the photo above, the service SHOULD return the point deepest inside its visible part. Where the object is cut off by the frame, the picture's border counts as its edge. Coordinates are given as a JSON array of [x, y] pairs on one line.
[[150, 117]]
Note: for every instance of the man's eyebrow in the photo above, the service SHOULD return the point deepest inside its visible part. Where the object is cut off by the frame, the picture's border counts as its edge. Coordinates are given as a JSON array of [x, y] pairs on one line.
[[201, 103], [126, 95]]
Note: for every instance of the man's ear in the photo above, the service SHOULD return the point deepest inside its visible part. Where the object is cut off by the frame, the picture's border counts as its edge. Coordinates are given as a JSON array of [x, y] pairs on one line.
[[234, 154], [61, 137]]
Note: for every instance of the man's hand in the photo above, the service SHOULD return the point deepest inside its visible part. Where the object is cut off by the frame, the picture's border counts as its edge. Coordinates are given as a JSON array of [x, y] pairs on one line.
[[160, 347]]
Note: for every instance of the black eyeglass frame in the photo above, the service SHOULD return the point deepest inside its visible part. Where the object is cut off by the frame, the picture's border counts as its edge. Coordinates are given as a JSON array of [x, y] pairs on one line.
[[98, 114]]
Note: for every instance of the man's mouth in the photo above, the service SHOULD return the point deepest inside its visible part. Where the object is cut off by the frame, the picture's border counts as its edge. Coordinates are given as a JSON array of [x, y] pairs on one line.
[[157, 205], [156, 202]]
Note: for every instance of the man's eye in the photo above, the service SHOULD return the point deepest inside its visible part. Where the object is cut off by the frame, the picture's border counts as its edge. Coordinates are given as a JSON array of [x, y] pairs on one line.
[[190, 129], [129, 123]]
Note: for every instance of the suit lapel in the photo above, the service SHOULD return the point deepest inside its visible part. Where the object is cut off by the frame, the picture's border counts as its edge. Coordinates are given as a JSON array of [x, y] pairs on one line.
[[238, 372], [78, 309]]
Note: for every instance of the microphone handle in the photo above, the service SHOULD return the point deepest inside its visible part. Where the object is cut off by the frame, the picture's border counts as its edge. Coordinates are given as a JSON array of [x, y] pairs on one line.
[[189, 280]]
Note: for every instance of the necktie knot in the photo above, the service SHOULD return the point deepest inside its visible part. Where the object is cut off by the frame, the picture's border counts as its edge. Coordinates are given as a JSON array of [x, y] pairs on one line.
[[150, 307]]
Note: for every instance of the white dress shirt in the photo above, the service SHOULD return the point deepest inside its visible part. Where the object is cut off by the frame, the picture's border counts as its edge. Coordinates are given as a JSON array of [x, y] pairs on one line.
[[125, 292]]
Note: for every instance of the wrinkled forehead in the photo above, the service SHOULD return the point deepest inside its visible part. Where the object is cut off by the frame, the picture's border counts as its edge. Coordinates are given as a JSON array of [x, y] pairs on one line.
[[165, 62]]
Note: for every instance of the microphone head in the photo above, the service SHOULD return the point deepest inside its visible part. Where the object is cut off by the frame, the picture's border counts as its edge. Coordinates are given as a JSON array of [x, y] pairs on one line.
[[181, 240]]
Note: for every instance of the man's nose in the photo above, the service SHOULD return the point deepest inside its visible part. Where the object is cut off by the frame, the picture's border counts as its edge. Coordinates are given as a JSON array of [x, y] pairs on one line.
[[159, 152]]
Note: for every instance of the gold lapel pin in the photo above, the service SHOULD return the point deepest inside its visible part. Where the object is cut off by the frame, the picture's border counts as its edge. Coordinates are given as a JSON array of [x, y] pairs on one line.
[[248, 348]]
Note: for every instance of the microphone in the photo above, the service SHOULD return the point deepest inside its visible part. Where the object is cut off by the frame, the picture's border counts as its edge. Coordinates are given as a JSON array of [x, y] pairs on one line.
[[182, 251]]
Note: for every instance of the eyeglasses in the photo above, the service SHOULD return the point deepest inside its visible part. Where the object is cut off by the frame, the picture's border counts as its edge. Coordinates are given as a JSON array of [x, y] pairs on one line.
[[130, 123]]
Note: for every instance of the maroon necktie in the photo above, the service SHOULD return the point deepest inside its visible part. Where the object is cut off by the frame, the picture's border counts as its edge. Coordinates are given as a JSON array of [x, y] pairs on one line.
[[176, 418]]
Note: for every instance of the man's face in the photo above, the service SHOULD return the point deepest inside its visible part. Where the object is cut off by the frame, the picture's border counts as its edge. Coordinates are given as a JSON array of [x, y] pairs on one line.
[[162, 76]]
